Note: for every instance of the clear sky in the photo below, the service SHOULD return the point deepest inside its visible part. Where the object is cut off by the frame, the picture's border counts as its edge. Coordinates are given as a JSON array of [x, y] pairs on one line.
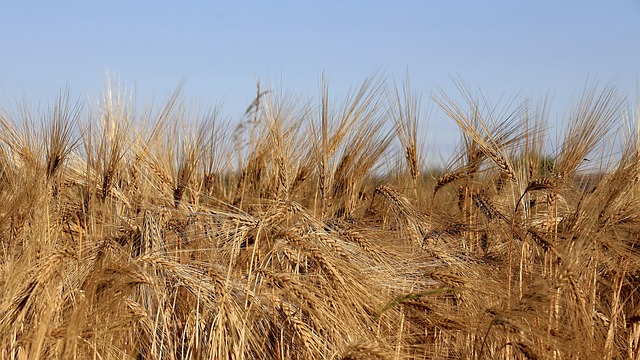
[[221, 48]]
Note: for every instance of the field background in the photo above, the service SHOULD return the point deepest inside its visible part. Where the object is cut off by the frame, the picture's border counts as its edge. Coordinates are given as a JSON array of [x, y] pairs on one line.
[[315, 230]]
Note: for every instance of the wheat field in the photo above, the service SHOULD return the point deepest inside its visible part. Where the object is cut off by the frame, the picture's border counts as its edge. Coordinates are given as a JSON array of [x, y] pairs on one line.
[[319, 229]]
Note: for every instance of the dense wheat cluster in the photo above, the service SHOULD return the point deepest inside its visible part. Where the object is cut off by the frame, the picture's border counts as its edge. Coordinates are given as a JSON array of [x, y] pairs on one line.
[[317, 231]]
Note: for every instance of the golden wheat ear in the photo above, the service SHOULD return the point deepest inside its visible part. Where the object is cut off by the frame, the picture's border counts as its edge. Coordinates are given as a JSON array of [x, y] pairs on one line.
[[405, 111], [449, 178], [589, 123]]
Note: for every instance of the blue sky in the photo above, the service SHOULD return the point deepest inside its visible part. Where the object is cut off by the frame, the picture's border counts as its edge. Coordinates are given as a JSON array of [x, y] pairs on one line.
[[220, 49]]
